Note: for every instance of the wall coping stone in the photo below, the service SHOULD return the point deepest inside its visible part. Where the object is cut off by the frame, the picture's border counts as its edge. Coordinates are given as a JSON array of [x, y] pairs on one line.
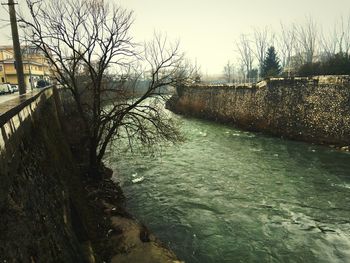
[[322, 79]]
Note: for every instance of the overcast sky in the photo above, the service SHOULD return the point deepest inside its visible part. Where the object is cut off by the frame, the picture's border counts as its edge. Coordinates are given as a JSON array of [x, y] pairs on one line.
[[208, 29]]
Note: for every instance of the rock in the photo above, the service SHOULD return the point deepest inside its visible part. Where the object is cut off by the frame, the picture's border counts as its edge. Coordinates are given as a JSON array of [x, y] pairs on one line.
[[137, 244], [345, 148]]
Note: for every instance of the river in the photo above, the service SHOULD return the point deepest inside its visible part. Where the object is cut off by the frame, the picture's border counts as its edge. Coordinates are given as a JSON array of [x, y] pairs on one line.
[[226, 195]]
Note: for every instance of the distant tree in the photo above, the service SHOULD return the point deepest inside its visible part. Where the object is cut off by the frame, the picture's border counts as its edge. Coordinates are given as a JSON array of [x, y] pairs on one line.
[[228, 72], [197, 74], [286, 40], [253, 74], [271, 66], [197, 78], [262, 39], [329, 43], [307, 40], [344, 42], [337, 40], [245, 52]]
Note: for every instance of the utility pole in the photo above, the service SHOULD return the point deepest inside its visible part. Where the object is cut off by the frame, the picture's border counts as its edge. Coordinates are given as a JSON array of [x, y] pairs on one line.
[[16, 48]]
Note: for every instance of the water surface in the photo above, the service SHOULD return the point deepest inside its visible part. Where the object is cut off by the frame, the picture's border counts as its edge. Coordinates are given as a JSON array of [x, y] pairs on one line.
[[226, 195]]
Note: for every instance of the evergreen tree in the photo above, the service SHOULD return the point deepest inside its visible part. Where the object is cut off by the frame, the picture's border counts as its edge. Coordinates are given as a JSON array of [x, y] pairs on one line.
[[271, 66]]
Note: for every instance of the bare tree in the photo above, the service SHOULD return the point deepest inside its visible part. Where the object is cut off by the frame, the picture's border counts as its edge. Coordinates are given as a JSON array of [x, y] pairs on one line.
[[245, 53], [336, 40], [196, 72], [84, 40], [329, 43], [344, 35], [286, 45], [307, 35], [229, 72], [241, 74], [262, 41]]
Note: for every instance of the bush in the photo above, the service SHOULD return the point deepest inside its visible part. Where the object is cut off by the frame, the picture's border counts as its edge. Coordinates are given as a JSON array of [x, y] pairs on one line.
[[338, 64]]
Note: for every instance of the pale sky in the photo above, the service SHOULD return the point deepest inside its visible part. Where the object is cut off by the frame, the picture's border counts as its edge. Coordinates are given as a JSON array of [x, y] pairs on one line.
[[208, 29]]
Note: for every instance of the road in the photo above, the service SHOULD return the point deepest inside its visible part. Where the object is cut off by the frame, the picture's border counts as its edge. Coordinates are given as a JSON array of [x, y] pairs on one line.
[[7, 97]]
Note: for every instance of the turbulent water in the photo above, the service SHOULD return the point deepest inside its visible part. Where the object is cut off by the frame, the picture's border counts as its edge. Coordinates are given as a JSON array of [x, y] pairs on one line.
[[226, 195]]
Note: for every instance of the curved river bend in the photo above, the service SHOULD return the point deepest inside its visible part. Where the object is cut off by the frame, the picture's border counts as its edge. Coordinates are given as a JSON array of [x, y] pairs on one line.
[[226, 195]]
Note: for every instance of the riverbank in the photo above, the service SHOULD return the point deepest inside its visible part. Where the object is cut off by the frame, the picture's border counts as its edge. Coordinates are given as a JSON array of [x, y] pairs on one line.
[[116, 236]]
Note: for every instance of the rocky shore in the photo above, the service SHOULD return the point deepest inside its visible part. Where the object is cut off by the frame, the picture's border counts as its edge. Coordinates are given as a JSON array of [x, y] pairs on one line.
[[118, 237], [114, 234]]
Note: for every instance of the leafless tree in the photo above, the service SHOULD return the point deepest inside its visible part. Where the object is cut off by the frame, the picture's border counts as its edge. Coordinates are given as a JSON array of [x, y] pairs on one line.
[[344, 35], [286, 45], [196, 72], [84, 40], [229, 71], [307, 37], [245, 52], [336, 40], [240, 74], [329, 43], [262, 41]]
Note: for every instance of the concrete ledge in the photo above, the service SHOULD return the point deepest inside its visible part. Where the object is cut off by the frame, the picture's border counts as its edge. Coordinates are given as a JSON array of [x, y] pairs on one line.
[[10, 108]]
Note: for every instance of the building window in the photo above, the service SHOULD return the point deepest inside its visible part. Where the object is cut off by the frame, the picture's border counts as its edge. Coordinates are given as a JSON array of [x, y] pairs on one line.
[[0, 68], [2, 80]]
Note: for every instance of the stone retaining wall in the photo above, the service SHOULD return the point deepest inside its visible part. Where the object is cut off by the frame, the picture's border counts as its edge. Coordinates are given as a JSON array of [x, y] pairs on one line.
[[39, 214], [309, 109]]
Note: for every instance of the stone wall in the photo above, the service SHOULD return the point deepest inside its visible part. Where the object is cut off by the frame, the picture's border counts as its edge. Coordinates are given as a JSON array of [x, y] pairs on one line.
[[309, 109], [39, 219]]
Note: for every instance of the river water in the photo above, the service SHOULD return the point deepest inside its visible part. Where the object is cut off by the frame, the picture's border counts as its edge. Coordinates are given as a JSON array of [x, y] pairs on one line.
[[226, 195]]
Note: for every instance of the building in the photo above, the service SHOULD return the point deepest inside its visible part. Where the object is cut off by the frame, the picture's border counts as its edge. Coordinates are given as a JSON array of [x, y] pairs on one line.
[[35, 66]]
